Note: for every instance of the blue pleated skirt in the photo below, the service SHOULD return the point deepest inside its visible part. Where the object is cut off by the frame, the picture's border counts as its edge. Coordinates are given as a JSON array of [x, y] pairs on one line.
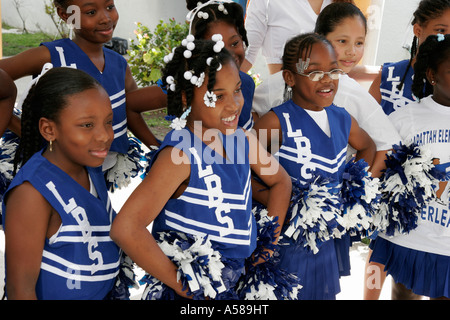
[[342, 247], [318, 273], [424, 273]]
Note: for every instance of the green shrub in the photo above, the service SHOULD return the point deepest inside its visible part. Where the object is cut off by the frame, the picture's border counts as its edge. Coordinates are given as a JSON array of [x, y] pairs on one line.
[[147, 51]]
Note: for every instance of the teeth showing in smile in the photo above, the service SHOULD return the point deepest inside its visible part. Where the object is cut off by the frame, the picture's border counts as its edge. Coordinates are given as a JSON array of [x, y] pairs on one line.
[[325, 90], [229, 118]]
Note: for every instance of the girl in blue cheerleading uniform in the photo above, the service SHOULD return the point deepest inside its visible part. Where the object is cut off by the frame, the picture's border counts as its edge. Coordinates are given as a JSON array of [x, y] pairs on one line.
[[92, 24], [227, 19], [392, 87], [312, 135], [198, 192], [416, 251], [57, 213]]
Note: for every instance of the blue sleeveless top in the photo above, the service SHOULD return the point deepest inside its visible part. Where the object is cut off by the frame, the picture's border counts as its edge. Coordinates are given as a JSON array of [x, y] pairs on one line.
[[391, 76], [79, 262], [306, 148], [65, 53], [217, 201], [248, 91]]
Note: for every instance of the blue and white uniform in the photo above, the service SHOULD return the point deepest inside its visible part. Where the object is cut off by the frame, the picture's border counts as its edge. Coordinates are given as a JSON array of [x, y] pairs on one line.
[[392, 74], [80, 261], [217, 202], [66, 53], [248, 90], [420, 260], [307, 149]]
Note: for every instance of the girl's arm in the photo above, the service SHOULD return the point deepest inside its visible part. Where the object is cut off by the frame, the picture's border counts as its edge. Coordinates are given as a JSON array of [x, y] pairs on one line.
[[129, 228], [138, 101], [26, 63], [362, 142], [278, 182], [268, 131], [8, 93], [26, 226], [374, 89]]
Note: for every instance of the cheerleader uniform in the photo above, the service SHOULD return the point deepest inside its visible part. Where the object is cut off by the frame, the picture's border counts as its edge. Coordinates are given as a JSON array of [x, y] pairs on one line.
[[420, 260], [392, 74], [217, 202], [248, 90], [307, 149], [79, 262]]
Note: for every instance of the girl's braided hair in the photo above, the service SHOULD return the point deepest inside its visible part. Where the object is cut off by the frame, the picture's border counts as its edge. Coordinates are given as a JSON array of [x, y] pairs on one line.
[[432, 52], [426, 11], [300, 47], [203, 60], [46, 99], [234, 16]]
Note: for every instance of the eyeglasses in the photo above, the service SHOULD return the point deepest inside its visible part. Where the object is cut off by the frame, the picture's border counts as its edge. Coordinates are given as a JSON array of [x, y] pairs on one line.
[[334, 74]]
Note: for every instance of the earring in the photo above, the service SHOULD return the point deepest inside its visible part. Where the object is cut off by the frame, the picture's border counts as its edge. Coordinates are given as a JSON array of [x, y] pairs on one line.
[[433, 82], [51, 146]]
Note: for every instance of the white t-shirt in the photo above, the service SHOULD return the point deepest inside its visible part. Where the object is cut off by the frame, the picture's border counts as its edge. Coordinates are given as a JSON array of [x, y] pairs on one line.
[[350, 95], [271, 23], [427, 123]]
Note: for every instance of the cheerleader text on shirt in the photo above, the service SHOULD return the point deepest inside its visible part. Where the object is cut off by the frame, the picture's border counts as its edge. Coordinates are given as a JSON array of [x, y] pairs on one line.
[[302, 150], [79, 214], [215, 194]]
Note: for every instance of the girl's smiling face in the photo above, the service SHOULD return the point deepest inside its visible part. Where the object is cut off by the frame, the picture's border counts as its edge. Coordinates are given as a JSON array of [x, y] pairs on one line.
[[348, 40], [98, 19], [225, 115], [231, 38], [83, 132], [314, 95]]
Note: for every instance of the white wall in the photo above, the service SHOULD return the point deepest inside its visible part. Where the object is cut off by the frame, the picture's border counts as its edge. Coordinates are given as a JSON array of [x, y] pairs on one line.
[[396, 30], [149, 12]]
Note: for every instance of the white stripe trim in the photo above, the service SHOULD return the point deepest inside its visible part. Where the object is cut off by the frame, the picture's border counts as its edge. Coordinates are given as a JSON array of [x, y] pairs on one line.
[[78, 277], [119, 103], [53, 257], [117, 95], [120, 125], [75, 239], [207, 226], [120, 133], [210, 237]]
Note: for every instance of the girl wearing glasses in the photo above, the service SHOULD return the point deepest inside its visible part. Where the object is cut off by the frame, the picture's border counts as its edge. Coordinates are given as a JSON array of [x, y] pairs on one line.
[[313, 135]]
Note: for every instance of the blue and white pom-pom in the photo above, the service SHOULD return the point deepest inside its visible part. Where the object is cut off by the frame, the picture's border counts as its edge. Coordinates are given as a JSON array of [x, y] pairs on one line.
[[409, 183], [314, 213], [125, 280], [266, 281], [127, 166], [360, 197], [201, 269], [8, 146]]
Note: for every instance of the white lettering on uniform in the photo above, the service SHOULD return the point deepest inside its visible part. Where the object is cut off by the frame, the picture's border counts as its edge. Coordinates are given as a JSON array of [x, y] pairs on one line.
[[79, 214], [303, 148], [215, 194]]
